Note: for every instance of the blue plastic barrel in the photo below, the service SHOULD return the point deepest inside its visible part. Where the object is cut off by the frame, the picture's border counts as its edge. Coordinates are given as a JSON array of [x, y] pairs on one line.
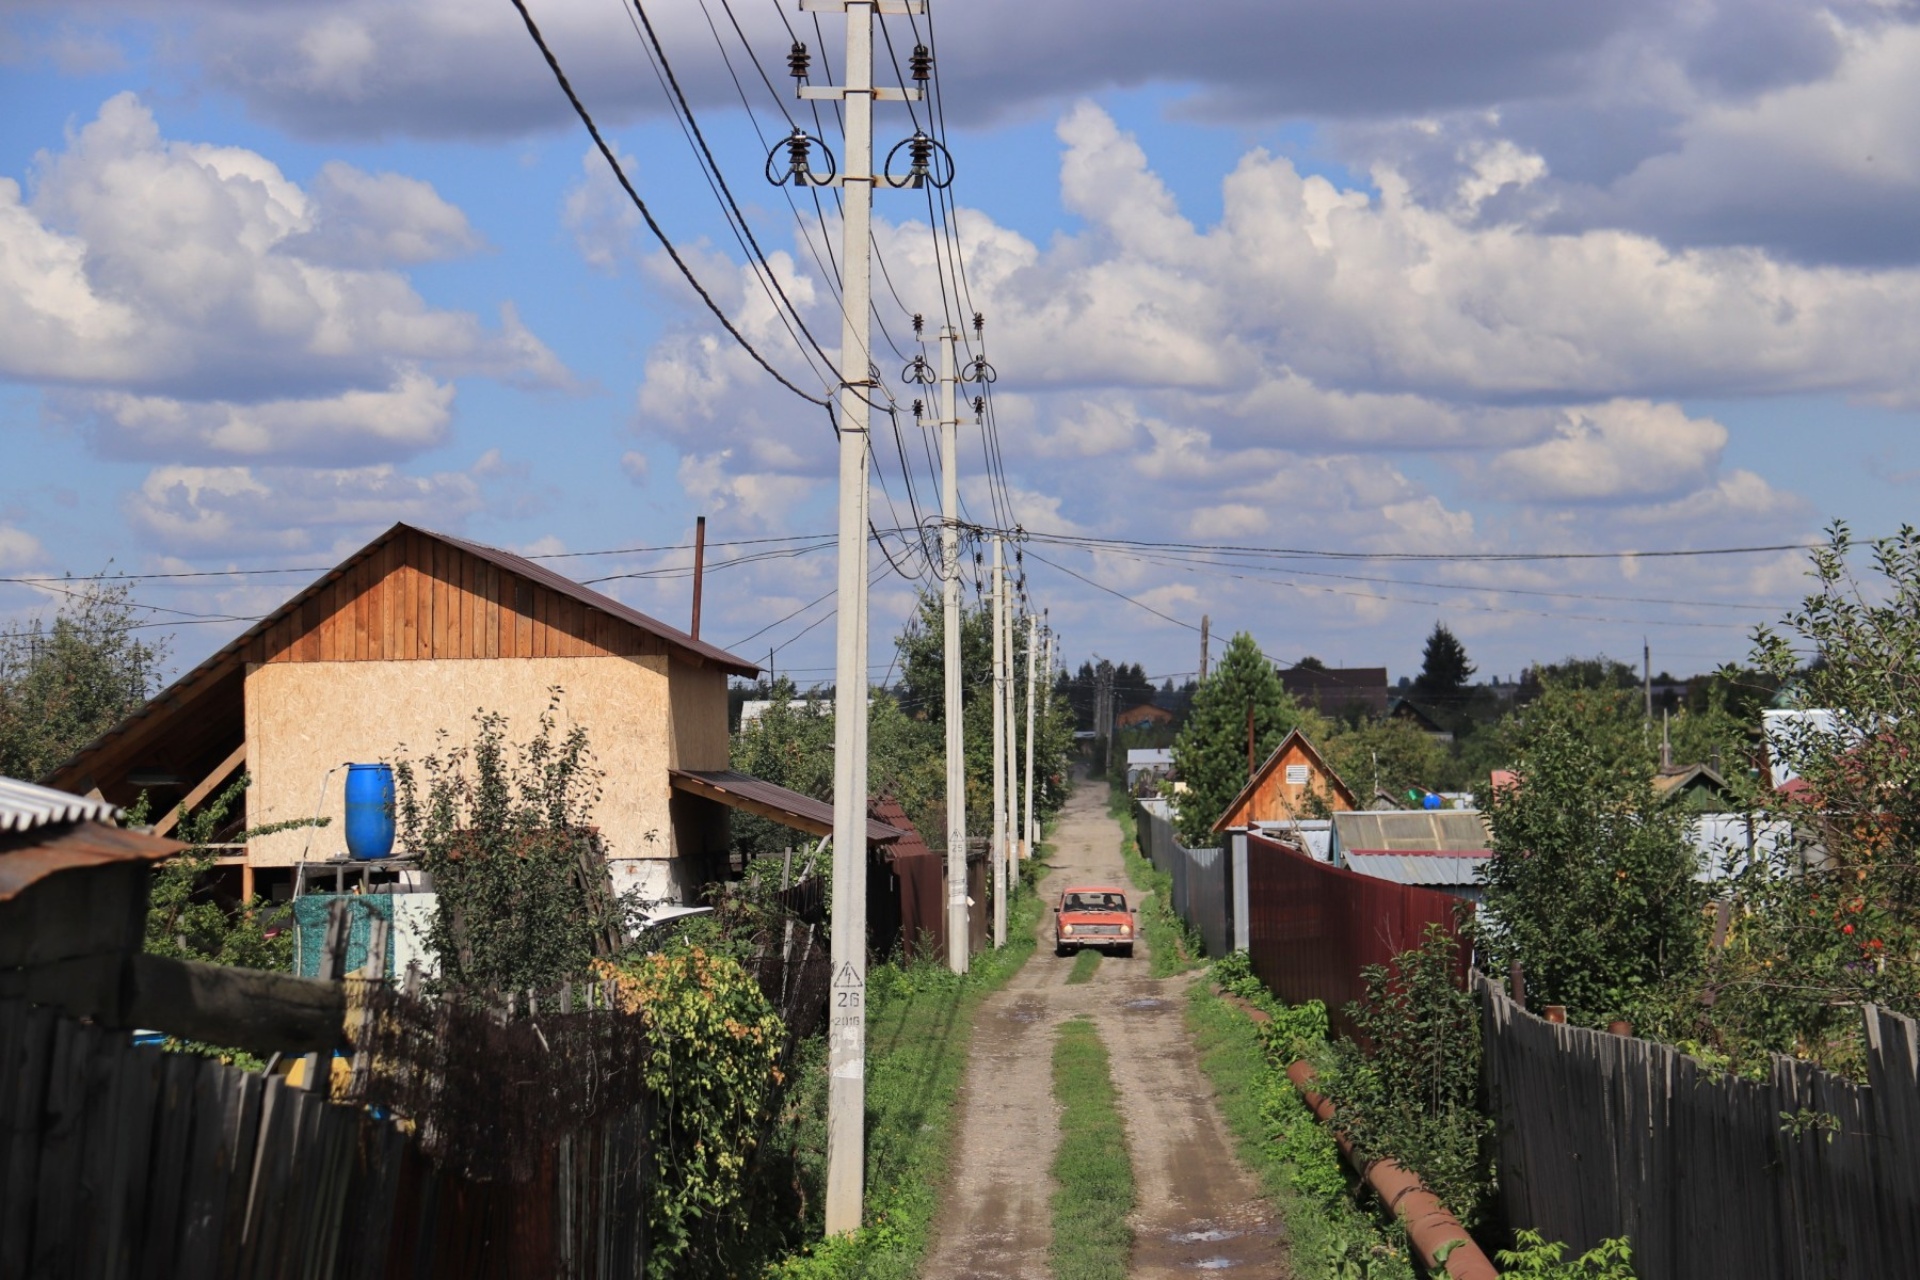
[[369, 810]]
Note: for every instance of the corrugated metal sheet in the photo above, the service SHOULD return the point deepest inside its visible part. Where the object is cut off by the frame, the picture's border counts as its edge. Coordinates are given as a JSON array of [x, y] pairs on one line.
[[74, 845], [790, 808], [1434, 871], [24, 806], [1315, 927], [1412, 831]]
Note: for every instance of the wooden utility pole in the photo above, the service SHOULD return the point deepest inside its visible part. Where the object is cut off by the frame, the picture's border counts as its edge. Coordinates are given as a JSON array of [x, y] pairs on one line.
[[1205, 623], [699, 569]]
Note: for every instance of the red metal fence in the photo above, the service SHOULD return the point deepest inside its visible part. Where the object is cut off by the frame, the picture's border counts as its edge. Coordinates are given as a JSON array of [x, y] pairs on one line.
[[1315, 926]]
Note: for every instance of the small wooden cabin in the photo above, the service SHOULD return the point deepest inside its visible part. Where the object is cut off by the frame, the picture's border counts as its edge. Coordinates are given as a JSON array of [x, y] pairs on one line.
[[403, 642], [1284, 788]]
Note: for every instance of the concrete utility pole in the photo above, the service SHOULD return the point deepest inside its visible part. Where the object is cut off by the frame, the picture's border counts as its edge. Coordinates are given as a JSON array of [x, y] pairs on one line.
[[847, 1032], [1033, 646], [1014, 851], [957, 922], [1205, 623], [1000, 884]]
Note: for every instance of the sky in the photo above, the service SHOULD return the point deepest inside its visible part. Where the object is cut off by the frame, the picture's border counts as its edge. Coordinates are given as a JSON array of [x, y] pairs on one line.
[[1406, 289]]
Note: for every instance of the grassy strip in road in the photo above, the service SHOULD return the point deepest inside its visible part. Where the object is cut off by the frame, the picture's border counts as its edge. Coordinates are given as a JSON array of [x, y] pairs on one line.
[[1091, 1238], [1329, 1237], [1171, 946], [1083, 966], [919, 1022]]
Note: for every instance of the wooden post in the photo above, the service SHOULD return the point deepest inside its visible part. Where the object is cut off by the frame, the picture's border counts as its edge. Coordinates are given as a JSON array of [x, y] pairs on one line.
[[699, 569], [333, 964]]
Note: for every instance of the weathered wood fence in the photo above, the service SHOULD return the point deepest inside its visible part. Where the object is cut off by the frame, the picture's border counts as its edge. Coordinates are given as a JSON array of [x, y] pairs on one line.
[[118, 1160], [1804, 1176]]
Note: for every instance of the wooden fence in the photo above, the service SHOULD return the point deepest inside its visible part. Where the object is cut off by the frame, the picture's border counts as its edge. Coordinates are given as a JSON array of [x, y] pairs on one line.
[[118, 1160], [1803, 1176]]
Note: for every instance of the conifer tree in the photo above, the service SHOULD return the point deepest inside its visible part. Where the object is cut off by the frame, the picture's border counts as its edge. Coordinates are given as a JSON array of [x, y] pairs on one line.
[[1210, 755]]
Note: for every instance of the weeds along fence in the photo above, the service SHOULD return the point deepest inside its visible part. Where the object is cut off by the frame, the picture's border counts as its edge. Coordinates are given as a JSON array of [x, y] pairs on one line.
[[1802, 1176], [522, 1153], [1312, 927], [1202, 878]]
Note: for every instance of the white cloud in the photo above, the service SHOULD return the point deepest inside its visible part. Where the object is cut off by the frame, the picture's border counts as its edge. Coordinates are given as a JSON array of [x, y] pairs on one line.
[[1620, 449], [187, 511], [404, 418], [193, 297], [365, 219], [19, 549]]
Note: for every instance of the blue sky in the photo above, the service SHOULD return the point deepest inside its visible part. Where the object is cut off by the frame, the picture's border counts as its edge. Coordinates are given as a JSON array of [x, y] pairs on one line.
[[1378, 277]]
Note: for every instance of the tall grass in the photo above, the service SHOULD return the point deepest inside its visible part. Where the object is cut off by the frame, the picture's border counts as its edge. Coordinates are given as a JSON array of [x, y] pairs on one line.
[[1092, 1171]]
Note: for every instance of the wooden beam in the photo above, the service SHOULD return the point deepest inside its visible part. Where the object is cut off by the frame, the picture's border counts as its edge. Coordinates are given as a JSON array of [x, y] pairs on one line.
[[220, 774], [239, 1008]]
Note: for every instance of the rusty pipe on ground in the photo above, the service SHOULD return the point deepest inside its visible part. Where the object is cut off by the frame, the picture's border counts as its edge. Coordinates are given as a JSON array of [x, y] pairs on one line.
[[1429, 1226]]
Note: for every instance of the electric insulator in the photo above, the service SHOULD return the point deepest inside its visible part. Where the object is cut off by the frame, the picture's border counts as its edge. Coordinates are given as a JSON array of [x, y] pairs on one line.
[[798, 147], [979, 321], [919, 323], [798, 59], [920, 150], [979, 405], [919, 406], [921, 61]]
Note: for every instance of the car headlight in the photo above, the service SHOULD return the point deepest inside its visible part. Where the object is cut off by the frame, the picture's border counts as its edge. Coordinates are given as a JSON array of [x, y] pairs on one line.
[[1126, 931], [1066, 928]]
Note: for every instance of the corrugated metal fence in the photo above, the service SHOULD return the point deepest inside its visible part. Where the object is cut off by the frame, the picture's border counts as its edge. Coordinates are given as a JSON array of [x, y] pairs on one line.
[[1202, 878], [1804, 1176], [1313, 927], [118, 1160]]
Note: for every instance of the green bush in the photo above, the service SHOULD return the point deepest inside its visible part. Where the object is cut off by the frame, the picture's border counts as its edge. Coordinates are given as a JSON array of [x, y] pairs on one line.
[[711, 1071], [1410, 1093], [1536, 1259]]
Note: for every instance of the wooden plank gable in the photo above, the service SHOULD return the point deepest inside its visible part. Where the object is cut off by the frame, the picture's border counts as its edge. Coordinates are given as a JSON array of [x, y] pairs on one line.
[[419, 598]]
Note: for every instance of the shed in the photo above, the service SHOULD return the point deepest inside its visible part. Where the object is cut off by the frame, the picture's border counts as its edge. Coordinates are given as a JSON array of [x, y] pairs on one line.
[[1444, 849], [1286, 786], [401, 644]]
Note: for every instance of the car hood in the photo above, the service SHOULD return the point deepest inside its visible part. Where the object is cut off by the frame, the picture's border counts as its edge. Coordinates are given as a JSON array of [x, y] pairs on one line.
[[1096, 917]]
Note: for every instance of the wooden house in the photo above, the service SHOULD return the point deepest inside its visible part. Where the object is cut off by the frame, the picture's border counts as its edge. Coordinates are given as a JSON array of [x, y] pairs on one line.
[[403, 643], [1293, 783], [1144, 716]]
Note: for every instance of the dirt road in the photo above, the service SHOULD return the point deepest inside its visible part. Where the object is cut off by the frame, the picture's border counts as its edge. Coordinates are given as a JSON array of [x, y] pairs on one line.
[[1196, 1208]]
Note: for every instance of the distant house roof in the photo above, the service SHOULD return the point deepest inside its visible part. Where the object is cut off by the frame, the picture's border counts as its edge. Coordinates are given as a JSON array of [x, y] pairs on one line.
[[888, 810], [772, 801], [1407, 709], [753, 708], [1149, 757], [1335, 689], [1142, 714], [1691, 778]]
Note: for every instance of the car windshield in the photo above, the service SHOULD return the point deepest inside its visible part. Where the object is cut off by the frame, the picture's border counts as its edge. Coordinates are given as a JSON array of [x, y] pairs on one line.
[[1096, 902]]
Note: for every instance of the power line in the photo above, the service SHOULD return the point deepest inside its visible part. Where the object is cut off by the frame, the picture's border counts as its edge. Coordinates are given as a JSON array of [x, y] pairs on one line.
[[653, 226]]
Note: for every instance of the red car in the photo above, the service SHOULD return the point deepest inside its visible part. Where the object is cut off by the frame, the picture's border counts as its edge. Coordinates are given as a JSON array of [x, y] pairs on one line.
[[1093, 916]]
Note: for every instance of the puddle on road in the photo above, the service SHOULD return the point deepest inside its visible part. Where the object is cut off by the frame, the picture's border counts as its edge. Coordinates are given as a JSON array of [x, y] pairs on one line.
[[1145, 1002], [1215, 1264], [1024, 1015], [1207, 1236]]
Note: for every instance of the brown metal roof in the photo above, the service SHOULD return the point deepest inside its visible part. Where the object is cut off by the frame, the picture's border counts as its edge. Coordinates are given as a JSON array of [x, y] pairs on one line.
[[775, 803], [27, 857], [228, 657]]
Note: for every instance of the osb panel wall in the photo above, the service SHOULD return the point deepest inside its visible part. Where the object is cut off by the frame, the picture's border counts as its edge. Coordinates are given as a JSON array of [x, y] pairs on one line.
[[416, 598], [303, 720], [699, 710]]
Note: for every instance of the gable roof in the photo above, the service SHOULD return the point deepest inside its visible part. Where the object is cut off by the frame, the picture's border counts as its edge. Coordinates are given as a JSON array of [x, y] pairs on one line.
[[232, 657], [1261, 774]]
